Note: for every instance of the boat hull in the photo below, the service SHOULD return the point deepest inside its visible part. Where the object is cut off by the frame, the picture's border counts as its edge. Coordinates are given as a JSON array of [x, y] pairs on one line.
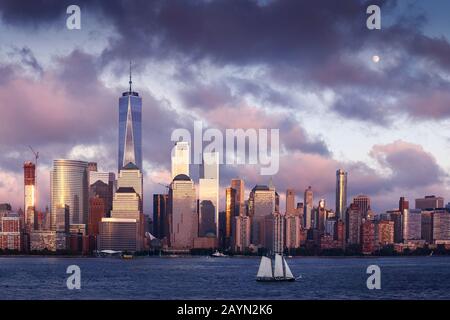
[[275, 279]]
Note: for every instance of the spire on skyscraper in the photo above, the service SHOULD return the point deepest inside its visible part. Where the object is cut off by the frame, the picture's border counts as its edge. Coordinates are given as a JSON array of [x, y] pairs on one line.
[[130, 82]]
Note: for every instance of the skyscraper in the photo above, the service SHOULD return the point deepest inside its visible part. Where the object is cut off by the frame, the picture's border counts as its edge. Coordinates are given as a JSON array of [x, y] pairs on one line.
[[183, 219], [125, 229], [403, 204], [308, 208], [160, 219], [441, 225], [412, 223], [363, 203], [104, 185], [209, 195], [368, 237], [180, 159], [69, 186], [354, 221], [130, 176], [274, 235], [230, 214], [261, 204], [238, 185], [29, 172], [242, 233], [292, 232], [290, 201], [130, 128], [341, 194]]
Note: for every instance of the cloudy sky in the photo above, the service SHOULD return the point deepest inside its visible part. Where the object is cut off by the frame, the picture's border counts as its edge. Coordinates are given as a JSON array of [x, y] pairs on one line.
[[304, 67]]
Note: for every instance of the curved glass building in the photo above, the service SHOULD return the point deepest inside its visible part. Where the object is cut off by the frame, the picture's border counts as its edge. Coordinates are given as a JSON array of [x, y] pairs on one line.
[[69, 186]]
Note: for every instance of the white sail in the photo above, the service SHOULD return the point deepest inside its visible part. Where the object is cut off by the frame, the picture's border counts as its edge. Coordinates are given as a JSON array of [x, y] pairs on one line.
[[289, 274], [278, 267], [265, 268]]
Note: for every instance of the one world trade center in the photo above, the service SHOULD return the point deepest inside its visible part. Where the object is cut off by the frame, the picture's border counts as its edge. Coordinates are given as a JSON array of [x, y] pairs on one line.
[[130, 128]]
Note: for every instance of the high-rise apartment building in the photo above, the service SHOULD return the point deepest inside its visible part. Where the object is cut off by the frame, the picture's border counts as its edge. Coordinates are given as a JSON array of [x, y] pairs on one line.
[[293, 231], [385, 232], [242, 233], [353, 226], [368, 237]]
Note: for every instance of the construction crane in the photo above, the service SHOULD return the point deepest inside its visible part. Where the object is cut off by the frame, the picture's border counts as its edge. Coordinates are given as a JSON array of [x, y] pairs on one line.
[[36, 157]]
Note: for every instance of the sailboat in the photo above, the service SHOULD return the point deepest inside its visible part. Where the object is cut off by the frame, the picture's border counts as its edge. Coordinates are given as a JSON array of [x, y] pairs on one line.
[[281, 271]]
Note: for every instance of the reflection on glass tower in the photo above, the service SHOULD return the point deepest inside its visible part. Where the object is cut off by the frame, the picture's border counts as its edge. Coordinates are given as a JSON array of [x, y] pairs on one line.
[[130, 128]]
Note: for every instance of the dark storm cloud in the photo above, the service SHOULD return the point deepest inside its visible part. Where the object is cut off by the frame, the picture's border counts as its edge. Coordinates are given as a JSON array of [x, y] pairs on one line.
[[33, 13], [307, 42]]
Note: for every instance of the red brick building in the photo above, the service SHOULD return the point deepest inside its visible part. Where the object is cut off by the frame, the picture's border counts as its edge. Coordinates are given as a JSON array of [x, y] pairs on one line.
[[368, 237]]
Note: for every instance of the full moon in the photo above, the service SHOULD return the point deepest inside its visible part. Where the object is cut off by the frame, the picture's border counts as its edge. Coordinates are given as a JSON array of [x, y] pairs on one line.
[[376, 59]]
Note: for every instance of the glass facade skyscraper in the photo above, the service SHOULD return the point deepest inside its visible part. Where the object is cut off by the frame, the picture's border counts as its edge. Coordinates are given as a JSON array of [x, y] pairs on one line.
[[69, 186], [130, 129]]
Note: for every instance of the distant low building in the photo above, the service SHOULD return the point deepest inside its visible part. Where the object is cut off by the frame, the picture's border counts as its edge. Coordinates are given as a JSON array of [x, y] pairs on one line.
[[43, 240], [119, 234], [10, 236]]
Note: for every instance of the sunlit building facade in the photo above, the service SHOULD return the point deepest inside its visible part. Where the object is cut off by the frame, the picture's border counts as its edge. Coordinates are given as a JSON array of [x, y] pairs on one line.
[[238, 185], [183, 218], [69, 186], [274, 237], [209, 195], [308, 208], [341, 194], [242, 233], [363, 203], [29, 172], [412, 223], [180, 158], [262, 203], [130, 176]]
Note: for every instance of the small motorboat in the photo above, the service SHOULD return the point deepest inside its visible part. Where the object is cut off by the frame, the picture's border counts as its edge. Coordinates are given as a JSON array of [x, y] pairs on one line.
[[218, 254]]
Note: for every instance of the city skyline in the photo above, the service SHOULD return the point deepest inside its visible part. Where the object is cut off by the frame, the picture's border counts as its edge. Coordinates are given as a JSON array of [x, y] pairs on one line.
[[65, 99]]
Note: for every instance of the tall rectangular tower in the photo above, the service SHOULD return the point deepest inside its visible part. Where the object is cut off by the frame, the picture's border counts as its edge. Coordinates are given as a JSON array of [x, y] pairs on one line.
[[29, 173], [341, 194], [130, 129]]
